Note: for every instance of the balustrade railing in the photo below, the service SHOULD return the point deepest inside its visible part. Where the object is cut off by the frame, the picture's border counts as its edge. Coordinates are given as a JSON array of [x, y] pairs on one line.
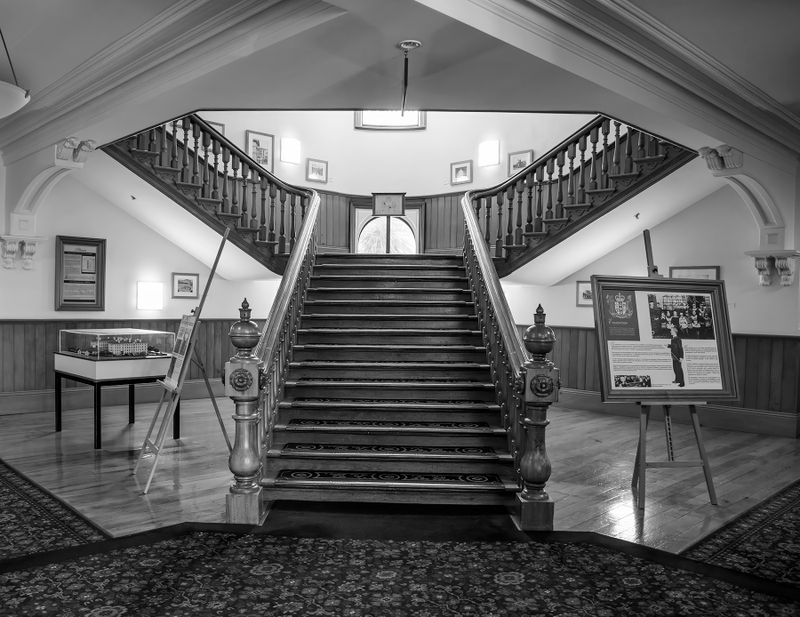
[[225, 181], [578, 180]]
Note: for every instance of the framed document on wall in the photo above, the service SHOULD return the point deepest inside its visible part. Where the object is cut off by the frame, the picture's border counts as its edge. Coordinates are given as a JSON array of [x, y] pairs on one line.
[[663, 339], [80, 274]]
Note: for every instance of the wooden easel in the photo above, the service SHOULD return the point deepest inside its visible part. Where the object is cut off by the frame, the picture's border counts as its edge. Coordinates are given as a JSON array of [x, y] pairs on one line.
[[182, 355], [641, 463]]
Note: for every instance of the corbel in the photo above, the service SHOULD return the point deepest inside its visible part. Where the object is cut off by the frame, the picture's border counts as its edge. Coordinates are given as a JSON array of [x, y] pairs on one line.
[[13, 248], [775, 262]]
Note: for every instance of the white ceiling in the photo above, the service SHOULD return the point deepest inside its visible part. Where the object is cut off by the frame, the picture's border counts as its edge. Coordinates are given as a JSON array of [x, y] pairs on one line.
[[100, 69]]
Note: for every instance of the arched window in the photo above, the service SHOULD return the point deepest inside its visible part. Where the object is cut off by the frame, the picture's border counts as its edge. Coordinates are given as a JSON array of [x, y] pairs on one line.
[[386, 234]]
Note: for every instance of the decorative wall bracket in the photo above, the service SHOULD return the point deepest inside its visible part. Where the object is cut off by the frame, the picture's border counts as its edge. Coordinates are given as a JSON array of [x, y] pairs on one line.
[[15, 250], [775, 264]]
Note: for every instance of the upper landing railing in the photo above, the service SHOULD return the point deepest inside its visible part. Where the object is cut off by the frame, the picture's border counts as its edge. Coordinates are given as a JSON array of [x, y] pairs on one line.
[[188, 160], [588, 174]]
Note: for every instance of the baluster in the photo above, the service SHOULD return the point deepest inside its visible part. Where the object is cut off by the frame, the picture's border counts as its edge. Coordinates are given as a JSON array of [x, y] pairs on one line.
[[196, 153], [498, 246], [206, 190], [226, 159], [244, 221], [476, 205], [560, 193], [282, 234], [582, 170], [163, 155], [629, 165], [539, 187], [641, 150], [529, 182], [520, 188], [510, 223], [152, 144], [549, 213], [292, 200], [593, 169], [487, 233], [216, 150], [271, 234], [234, 183], [604, 179], [262, 228], [173, 162], [254, 183], [571, 173], [185, 176], [615, 161]]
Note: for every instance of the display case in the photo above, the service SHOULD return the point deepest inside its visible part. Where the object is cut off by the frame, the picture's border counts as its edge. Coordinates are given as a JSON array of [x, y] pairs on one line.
[[114, 353]]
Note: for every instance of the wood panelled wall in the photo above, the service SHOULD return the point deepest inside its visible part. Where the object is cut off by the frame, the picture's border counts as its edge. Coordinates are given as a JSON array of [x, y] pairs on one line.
[[767, 367], [27, 347], [443, 222]]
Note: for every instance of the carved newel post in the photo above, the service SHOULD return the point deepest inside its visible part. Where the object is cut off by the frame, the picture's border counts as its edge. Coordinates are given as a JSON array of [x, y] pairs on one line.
[[541, 389], [242, 384]]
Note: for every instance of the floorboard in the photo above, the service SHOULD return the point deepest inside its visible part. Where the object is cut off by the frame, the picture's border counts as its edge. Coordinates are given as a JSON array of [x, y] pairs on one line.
[[592, 457]]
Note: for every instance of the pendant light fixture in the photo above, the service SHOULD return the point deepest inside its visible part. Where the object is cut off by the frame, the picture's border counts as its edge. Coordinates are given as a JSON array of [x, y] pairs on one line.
[[406, 46], [12, 97]]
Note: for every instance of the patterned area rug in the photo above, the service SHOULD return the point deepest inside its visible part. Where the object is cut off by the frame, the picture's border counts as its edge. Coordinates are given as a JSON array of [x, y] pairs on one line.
[[33, 521], [764, 541], [208, 571]]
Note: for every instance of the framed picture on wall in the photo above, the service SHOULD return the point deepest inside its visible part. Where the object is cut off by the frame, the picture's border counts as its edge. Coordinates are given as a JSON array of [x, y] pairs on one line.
[[317, 171], [709, 273], [662, 339], [80, 274], [583, 293], [261, 148], [461, 172], [517, 161], [185, 285]]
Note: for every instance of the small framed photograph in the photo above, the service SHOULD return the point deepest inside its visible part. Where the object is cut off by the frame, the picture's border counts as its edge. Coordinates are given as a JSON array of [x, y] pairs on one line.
[[217, 126], [706, 273], [80, 274], [317, 171], [185, 285], [461, 172], [261, 148], [517, 161], [583, 293]]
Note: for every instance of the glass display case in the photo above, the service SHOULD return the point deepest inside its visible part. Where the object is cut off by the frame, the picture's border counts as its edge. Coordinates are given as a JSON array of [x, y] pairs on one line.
[[114, 353], [116, 343]]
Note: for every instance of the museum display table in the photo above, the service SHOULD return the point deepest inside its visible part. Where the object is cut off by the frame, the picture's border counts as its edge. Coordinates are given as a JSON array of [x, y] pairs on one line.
[[111, 358]]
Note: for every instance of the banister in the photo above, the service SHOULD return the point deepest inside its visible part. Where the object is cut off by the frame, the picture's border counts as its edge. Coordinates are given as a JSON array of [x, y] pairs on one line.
[[497, 298]]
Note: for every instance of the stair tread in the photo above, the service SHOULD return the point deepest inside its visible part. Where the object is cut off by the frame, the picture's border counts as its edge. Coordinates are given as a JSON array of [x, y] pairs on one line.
[[393, 480], [387, 277], [383, 331], [391, 346], [388, 384], [390, 405], [392, 302], [421, 365], [389, 426], [386, 451]]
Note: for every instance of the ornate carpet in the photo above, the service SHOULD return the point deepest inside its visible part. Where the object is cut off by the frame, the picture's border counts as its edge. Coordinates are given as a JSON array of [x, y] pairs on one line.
[[764, 541], [217, 570]]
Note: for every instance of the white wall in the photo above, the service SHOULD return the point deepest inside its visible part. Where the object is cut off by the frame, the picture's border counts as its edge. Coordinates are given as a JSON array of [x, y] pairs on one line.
[[716, 231], [134, 253], [414, 162]]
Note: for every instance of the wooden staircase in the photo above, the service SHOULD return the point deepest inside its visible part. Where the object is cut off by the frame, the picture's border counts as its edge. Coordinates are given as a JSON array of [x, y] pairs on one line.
[[389, 397]]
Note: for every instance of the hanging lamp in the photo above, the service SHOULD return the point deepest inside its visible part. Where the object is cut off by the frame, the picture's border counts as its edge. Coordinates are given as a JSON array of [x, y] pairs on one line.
[[12, 97], [406, 46]]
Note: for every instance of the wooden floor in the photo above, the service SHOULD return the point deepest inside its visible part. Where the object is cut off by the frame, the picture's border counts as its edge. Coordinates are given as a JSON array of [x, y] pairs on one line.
[[592, 456]]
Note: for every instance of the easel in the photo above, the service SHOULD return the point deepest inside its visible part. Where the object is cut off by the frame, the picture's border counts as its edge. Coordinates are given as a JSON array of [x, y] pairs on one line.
[[173, 380], [641, 464]]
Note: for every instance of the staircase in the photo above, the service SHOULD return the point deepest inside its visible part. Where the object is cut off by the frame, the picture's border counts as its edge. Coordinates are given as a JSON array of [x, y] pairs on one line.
[[389, 396]]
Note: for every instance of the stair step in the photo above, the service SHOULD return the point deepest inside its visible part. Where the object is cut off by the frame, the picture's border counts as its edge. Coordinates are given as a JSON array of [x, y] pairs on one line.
[[386, 336], [393, 427], [384, 281], [388, 390], [399, 320], [388, 269], [353, 451], [378, 307], [388, 293], [378, 259], [430, 411], [419, 370], [376, 352]]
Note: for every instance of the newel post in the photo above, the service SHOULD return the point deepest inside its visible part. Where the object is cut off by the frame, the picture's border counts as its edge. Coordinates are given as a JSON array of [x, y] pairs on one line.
[[541, 389], [242, 384]]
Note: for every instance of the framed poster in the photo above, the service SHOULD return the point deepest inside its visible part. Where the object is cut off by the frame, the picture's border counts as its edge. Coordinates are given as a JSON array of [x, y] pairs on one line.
[[80, 274], [710, 273], [388, 204], [583, 293], [260, 147], [317, 171], [461, 172], [517, 161], [185, 285], [663, 340]]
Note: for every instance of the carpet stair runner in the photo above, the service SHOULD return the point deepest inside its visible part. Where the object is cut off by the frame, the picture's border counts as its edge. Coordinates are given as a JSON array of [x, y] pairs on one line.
[[389, 396]]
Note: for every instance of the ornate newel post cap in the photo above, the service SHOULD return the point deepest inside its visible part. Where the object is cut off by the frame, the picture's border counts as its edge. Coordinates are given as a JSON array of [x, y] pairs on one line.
[[539, 338], [244, 333]]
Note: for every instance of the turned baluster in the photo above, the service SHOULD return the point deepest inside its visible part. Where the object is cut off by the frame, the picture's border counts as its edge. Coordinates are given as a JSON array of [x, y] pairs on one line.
[[262, 228], [629, 165], [292, 200], [593, 161], [163, 155], [243, 384], [529, 181], [173, 161], [510, 223], [234, 183], [550, 165], [571, 173], [476, 205], [185, 174], [226, 159], [152, 144], [615, 168], [271, 233], [539, 188], [582, 170], [244, 219], [560, 193], [206, 190], [282, 232], [487, 233], [519, 187], [604, 179], [541, 384], [196, 154], [498, 246], [641, 150], [254, 184], [215, 173]]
